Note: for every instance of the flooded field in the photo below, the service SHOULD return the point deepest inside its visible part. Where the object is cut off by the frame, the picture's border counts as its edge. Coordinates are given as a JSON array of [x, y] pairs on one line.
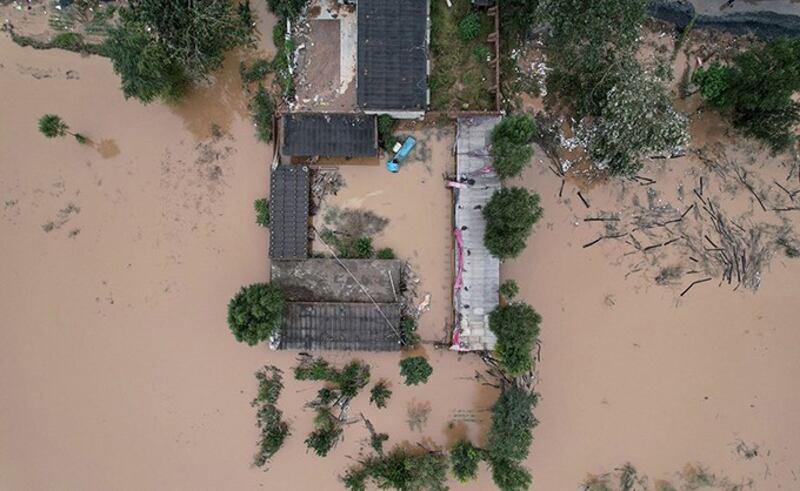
[[118, 370]]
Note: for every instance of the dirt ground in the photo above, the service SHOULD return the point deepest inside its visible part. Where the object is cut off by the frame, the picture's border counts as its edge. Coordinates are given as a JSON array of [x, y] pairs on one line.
[[118, 371]]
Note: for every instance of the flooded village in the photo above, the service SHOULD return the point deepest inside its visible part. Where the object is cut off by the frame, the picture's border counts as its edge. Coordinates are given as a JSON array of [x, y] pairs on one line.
[[277, 275]]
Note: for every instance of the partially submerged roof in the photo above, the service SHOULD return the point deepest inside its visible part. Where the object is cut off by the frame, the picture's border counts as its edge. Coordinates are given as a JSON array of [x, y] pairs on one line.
[[327, 280], [478, 272], [392, 55], [288, 212], [340, 326], [329, 135]]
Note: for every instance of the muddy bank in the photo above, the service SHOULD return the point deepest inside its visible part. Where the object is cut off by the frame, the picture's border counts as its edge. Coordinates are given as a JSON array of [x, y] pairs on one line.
[[763, 23]]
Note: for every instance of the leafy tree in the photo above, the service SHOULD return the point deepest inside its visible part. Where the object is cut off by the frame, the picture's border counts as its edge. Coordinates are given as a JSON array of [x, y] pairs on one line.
[[52, 126], [758, 89], [636, 120], [470, 26], [270, 384], [160, 46], [464, 457], [509, 475], [588, 41], [262, 211], [273, 433], [517, 18], [511, 147], [256, 312], [400, 470], [511, 431], [380, 394], [508, 290], [516, 326], [510, 215], [416, 370], [327, 430], [713, 82]]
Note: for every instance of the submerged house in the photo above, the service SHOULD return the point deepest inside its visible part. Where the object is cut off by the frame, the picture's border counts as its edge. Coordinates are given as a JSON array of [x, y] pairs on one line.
[[331, 138], [393, 63], [347, 304], [477, 271]]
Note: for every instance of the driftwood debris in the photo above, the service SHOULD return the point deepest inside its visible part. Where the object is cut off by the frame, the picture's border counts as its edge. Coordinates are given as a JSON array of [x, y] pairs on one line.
[[695, 282], [585, 203]]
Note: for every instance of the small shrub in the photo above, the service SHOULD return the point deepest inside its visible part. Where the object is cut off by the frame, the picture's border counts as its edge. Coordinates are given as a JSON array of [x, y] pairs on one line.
[[713, 82], [470, 26], [68, 40], [363, 248], [508, 290], [262, 211], [385, 253], [386, 127], [262, 110], [482, 53], [408, 333], [380, 394], [416, 370], [464, 458]]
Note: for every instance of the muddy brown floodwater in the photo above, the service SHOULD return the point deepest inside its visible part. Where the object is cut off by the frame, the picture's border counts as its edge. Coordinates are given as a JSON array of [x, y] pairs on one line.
[[118, 372]]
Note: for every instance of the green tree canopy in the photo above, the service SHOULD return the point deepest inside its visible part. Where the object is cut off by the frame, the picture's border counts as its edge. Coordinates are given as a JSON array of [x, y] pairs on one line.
[[256, 312], [465, 457], [509, 475], [757, 88], [587, 41], [510, 215], [516, 326], [636, 120], [160, 46], [511, 148], [52, 126], [380, 394], [416, 370], [511, 431], [400, 470]]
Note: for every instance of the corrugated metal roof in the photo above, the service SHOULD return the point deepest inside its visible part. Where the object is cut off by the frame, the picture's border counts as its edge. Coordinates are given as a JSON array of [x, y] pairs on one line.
[[329, 135], [326, 280], [481, 274], [288, 212], [339, 326], [392, 54]]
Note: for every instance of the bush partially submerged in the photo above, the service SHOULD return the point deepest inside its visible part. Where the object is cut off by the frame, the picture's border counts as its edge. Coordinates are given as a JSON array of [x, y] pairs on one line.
[[327, 430], [262, 211], [416, 370], [380, 394], [408, 333], [508, 290], [269, 418], [270, 384], [400, 470], [464, 458], [349, 380], [511, 431], [510, 216], [262, 110]]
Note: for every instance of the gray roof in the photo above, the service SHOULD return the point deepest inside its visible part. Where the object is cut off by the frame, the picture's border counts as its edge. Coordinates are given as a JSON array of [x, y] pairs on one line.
[[481, 274], [288, 212], [326, 280], [392, 54], [329, 135], [340, 326]]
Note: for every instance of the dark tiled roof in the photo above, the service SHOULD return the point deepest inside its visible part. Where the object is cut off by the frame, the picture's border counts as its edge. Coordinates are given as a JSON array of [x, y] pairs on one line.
[[392, 54], [288, 212], [326, 280], [329, 135], [339, 326]]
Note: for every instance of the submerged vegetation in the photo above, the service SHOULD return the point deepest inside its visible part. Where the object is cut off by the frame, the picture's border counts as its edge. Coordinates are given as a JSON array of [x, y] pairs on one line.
[[274, 430], [52, 126], [464, 458], [416, 370], [261, 206], [401, 470]]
